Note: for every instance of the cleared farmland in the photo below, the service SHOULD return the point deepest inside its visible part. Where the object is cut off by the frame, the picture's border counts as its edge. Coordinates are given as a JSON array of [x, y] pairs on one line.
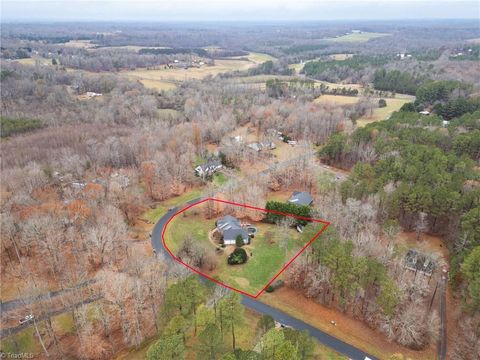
[[358, 37], [337, 99], [163, 78]]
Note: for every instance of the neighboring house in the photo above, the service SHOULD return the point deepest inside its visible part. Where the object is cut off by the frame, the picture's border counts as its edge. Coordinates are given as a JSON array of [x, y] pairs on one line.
[[301, 198], [230, 227], [417, 261], [209, 168], [265, 145]]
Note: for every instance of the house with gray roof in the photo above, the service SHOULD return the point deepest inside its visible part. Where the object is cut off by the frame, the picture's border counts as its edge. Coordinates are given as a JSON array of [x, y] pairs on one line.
[[230, 227], [264, 145], [301, 198], [209, 168], [417, 261]]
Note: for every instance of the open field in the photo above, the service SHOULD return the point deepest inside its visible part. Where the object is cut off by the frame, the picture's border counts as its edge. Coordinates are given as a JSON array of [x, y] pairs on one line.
[[157, 84], [340, 57], [330, 85], [80, 44], [337, 99], [358, 37], [383, 113], [299, 66], [130, 47], [269, 250], [347, 329], [33, 60], [165, 79]]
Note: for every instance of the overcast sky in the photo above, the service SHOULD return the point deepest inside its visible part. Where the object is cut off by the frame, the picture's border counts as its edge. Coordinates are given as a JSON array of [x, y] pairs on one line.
[[235, 10]]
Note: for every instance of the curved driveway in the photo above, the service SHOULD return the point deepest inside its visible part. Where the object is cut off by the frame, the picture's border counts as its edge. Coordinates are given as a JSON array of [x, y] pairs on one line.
[[324, 338]]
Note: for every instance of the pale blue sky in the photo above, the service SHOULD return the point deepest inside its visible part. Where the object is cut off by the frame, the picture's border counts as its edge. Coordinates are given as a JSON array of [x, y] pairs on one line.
[[235, 10]]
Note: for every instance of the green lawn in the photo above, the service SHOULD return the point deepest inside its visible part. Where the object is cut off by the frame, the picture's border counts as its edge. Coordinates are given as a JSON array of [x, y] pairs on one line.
[[219, 179], [186, 224], [22, 342], [271, 248], [153, 215], [325, 353]]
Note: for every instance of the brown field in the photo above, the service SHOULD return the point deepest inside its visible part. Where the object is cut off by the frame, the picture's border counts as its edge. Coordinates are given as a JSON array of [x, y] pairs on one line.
[[33, 60], [164, 79], [337, 99], [384, 113]]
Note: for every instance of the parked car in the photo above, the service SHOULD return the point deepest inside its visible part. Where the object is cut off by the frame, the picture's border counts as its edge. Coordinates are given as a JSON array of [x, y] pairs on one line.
[[26, 319]]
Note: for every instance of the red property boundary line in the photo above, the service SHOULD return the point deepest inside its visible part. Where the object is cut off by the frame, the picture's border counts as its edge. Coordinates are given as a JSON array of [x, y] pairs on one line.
[[326, 224]]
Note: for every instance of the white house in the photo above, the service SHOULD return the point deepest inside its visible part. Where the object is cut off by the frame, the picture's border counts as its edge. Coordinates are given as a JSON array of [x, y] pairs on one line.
[[209, 168]]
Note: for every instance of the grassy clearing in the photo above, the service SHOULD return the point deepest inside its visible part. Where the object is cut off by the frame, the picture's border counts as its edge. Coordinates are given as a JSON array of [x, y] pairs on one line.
[[325, 353], [22, 342], [156, 84], [383, 113], [155, 214], [80, 44], [340, 57], [219, 179], [260, 58], [64, 323], [34, 60], [358, 37], [336, 99], [164, 79], [188, 225]]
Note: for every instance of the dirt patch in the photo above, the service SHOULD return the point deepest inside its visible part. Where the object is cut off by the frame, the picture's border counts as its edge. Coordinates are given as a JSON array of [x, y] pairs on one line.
[[242, 282]]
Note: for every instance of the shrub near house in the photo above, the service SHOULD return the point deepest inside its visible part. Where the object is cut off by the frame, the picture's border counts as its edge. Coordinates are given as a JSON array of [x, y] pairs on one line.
[[237, 257]]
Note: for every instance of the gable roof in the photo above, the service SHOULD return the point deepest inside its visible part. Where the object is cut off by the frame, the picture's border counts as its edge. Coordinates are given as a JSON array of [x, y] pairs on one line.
[[210, 165], [232, 233], [301, 198], [228, 222]]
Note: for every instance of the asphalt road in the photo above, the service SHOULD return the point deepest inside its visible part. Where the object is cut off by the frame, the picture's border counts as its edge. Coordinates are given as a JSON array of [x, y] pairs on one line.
[[13, 330], [16, 303], [324, 338], [442, 345]]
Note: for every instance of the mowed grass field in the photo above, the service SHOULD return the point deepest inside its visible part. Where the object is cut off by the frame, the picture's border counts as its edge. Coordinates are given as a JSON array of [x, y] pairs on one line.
[[384, 113], [358, 37], [270, 249]]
